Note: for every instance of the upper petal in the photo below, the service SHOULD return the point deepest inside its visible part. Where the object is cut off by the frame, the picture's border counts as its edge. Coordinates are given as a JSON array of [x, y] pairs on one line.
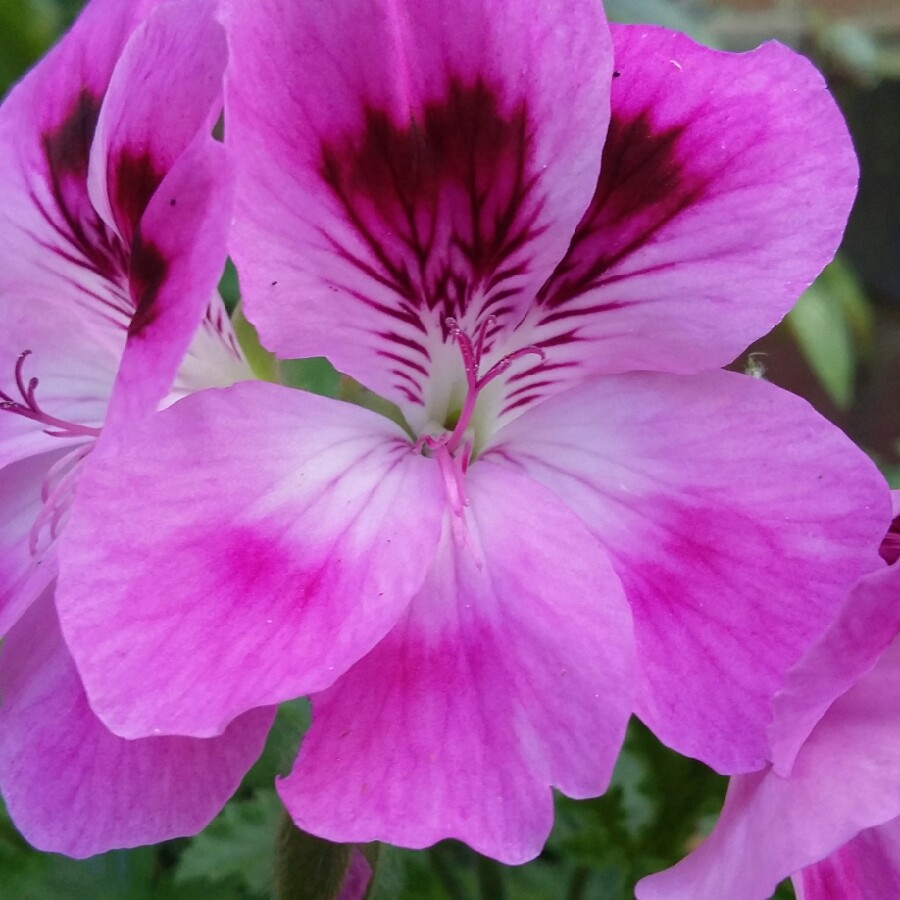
[[399, 163], [737, 519], [511, 672], [177, 259], [57, 250], [166, 87], [263, 540], [724, 190], [152, 251], [73, 787], [165, 185]]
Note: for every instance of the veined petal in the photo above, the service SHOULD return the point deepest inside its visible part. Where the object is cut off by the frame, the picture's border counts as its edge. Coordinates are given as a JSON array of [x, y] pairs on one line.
[[725, 187], [737, 519], [73, 787], [166, 88], [511, 672], [394, 170], [57, 250], [845, 779], [165, 186], [867, 868], [262, 534], [177, 259]]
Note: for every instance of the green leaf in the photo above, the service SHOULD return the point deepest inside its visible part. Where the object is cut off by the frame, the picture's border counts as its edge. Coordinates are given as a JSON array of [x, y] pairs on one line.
[[263, 363], [831, 324], [307, 867], [315, 375], [291, 723], [238, 845]]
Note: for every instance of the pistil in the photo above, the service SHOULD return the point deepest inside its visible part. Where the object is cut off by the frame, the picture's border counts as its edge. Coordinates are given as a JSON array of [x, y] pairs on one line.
[[452, 450], [471, 352]]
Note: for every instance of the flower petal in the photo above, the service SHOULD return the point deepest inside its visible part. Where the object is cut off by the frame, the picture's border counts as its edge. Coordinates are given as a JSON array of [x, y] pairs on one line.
[[866, 867], [264, 540], [510, 672], [22, 577], [737, 519], [73, 787], [165, 90], [401, 163], [165, 186], [725, 187], [177, 260], [146, 265], [57, 250], [846, 778], [868, 622]]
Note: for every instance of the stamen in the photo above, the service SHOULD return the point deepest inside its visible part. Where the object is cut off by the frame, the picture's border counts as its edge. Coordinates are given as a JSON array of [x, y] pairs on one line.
[[471, 355], [57, 498], [29, 408]]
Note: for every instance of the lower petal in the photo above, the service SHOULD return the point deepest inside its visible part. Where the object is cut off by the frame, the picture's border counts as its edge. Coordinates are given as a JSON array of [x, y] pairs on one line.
[[737, 519], [73, 787], [511, 672], [242, 547]]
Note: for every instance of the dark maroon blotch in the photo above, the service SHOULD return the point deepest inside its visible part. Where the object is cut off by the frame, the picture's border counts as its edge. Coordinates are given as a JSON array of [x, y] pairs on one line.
[[645, 182], [465, 158], [84, 238], [149, 269], [134, 184], [890, 546], [68, 147]]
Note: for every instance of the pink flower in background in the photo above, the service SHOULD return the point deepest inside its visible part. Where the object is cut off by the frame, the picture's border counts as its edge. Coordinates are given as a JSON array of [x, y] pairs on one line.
[[116, 204], [425, 197], [835, 771]]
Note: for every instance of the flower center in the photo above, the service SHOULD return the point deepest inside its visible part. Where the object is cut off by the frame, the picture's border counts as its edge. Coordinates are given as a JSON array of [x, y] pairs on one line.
[[453, 449]]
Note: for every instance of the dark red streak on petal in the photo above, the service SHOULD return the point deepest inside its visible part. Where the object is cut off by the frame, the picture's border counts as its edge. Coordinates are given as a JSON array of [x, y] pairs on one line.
[[890, 546], [135, 182], [645, 183], [149, 269], [84, 240], [463, 162]]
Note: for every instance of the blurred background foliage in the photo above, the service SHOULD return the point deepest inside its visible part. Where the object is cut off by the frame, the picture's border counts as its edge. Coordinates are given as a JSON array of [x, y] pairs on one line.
[[839, 348]]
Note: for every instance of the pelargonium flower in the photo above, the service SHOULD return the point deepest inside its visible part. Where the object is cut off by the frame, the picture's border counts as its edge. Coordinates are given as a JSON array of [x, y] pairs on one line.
[[116, 205], [540, 240], [827, 809]]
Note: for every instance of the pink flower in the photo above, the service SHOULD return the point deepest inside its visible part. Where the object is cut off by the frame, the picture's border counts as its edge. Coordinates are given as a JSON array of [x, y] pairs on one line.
[[116, 204], [421, 199], [826, 809]]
